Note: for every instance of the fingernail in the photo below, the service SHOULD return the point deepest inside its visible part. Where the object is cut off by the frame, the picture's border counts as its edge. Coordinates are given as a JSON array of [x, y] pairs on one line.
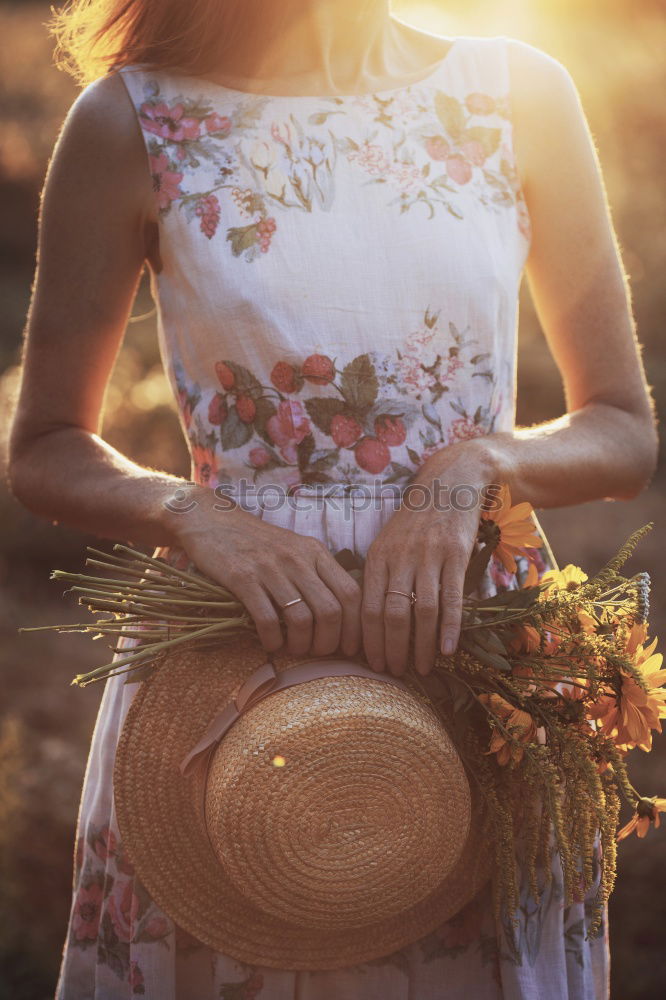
[[448, 646]]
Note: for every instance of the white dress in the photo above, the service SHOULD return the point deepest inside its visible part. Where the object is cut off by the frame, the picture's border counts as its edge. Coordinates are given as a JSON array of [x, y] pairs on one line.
[[338, 299]]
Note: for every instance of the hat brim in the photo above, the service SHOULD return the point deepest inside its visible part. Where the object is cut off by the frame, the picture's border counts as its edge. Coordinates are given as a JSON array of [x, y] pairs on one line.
[[157, 818]]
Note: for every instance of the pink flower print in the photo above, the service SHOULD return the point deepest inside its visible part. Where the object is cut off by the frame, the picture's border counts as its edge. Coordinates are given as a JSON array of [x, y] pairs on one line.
[[284, 377], [165, 181], [104, 844], [288, 427], [372, 455], [371, 157], [474, 152], [390, 430], [464, 428], [169, 122], [259, 457], [437, 147], [123, 907], [318, 369], [345, 430], [208, 210], [136, 979], [87, 912], [281, 133], [156, 927], [479, 104], [458, 168], [406, 175], [216, 124], [452, 366], [410, 365]]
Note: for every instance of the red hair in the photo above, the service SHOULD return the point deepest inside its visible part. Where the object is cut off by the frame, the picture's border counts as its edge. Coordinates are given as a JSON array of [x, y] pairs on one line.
[[94, 37]]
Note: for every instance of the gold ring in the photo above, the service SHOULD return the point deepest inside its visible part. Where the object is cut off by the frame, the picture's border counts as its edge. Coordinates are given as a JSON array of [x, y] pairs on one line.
[[296, 600], [412, 596]]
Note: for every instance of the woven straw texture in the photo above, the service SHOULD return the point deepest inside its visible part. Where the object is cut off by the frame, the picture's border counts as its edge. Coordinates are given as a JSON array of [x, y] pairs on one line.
[[361, 842]]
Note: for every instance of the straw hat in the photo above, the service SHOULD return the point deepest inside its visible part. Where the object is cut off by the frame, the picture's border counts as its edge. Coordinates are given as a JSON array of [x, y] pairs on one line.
[[311, 826]]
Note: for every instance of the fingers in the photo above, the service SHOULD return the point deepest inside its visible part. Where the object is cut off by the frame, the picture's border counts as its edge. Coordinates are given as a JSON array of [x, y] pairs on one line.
[[328, 616], [375, 582], [426, 614], [348, 594], [263, 614], [451, 601], [398, 621]]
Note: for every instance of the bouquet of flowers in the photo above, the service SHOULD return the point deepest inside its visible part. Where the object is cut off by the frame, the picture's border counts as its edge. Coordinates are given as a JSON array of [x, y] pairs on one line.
[[552, 684]]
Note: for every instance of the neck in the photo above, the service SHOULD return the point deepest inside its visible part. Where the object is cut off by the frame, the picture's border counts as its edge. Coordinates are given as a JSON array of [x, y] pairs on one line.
[[333, 44]]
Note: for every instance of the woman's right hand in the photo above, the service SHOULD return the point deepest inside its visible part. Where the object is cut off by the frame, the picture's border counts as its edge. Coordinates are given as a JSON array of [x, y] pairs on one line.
[[265, 566]]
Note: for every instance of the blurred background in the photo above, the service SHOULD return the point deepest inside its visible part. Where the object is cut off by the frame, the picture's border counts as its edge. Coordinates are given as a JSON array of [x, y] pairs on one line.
[[615, 50]]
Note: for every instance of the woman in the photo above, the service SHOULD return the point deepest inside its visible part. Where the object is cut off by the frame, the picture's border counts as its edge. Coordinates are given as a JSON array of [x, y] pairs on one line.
[[336, 210]]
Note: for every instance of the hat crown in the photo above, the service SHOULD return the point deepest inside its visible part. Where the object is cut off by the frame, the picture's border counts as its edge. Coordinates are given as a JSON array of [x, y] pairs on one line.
[[343, 796]]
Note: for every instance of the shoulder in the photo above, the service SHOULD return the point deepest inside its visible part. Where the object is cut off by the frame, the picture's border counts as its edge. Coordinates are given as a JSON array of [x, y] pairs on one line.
[[538, 79], [100, 141], [104, 110], [547, 111]]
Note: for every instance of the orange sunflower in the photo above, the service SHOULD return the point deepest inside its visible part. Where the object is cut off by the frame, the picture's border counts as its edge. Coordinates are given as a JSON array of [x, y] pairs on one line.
[[647, 812], [518, 723], [516, 529], [630, 717]]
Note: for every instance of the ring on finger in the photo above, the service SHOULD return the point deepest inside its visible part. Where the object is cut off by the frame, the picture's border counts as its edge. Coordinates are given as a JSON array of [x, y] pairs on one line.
[[411, 597], [296, 600]]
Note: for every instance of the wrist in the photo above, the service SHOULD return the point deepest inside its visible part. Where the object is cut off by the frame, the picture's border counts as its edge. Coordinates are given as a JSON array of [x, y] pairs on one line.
[[182, 508], [474, 462]]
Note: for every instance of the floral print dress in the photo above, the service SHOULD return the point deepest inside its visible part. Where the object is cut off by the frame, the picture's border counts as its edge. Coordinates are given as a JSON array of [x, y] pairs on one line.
[[337, 300]]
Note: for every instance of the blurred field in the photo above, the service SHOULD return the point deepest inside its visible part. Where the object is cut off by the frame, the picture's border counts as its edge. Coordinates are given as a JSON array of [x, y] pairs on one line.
[[615, 51]]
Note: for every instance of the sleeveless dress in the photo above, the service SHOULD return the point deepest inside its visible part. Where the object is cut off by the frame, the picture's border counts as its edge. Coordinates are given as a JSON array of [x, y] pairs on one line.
[[337, 300]]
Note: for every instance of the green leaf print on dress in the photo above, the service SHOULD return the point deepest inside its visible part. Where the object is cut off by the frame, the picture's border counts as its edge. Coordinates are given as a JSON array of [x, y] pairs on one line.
[[433, 154], [321, 420]]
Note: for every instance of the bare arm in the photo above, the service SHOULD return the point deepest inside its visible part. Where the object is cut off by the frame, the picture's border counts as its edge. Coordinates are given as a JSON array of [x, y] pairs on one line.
[[605, 446], [91, 249], [96, 218]]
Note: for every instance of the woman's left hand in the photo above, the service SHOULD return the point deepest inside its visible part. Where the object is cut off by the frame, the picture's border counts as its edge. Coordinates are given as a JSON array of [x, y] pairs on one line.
[[424, 549]]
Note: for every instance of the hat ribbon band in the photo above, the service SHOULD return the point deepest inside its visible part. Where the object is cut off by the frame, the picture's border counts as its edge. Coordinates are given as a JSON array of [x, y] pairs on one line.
[[265, 681]]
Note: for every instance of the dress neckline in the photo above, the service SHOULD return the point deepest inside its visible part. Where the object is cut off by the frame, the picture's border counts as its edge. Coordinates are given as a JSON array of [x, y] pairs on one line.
[[456, 44]]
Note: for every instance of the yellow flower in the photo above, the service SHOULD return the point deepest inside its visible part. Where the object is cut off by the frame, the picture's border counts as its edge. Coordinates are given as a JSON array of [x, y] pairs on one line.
[[516, 527], [518, 723], [647, 812], [630, 718], [562, 579]]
